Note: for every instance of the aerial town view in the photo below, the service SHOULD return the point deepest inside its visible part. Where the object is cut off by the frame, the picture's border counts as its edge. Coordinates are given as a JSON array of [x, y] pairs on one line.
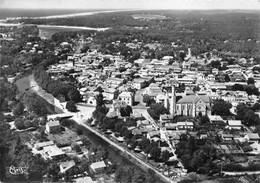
[[128, 91]]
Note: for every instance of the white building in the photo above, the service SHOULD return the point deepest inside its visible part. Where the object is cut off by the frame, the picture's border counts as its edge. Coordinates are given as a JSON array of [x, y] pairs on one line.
[[127, 97]]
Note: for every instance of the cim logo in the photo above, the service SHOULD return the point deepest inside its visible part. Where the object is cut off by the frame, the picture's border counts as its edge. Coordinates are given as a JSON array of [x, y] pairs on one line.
[[18, 170]]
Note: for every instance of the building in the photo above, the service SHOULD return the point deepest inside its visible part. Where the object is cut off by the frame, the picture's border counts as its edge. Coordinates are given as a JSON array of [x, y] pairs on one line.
[[114, 82], [127, 97], [193, 105], [252, 137], [109, 93], [53, 152], [185, 125], [53, 126], [234, 124], [98, 167], [65, 166], [139, 83], [215, 119], [115, 109], [41, 145], [165, 118]]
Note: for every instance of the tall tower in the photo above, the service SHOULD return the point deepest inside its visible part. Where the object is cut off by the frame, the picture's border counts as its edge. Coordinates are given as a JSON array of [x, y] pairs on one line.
[[173, 102], [166, 101]]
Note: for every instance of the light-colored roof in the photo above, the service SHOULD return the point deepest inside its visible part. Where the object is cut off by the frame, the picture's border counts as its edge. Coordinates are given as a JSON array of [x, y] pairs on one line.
[[234, 123], [227, 135], [215, 118], [253, 136], [43, 144], [125, 94], [97, 165], [53, 151], [53, 123], [67, 165], [166, 116], [153, 85], [63, 115], [185, 123]]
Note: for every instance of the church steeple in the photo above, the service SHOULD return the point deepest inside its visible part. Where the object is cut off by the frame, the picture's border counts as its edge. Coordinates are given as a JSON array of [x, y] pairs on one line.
[[173, 102]]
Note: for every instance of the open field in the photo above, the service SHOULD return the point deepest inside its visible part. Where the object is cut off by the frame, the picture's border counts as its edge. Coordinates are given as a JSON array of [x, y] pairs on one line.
[[148, 16]]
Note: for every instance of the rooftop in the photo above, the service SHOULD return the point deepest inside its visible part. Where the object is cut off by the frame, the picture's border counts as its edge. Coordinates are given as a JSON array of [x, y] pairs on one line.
[[53, 123], [97, 165]]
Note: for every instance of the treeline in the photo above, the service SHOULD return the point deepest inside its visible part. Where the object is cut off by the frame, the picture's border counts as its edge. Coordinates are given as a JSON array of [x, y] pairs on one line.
[[250, 89], [196, 155], [54, 87], [67, 36]]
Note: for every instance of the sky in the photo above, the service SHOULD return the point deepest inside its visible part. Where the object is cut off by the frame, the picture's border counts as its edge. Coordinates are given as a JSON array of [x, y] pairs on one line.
[[132, 4]]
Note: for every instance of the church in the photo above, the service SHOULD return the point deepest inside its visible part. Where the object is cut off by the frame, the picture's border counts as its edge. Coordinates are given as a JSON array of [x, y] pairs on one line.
[[188, 105]]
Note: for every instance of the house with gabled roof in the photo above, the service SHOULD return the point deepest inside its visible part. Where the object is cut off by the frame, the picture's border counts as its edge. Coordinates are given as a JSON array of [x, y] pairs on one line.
[[65, 166]]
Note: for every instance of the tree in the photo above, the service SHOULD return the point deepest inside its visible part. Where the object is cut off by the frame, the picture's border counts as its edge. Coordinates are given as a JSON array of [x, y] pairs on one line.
[[71, 106], [256, 107], [155, 153], [148, 100], [196, 88], [27, 124], [216, 64], [18, 109], [251, 119], [99, 89], [74, 95], [238, 87], [165, 156], [251, 90], [241, 110], [19, 123], [99, 99], [126, 111], [156, 110], [182, 55], [250, 81], [204, 120], [76, 147], [221, 107]]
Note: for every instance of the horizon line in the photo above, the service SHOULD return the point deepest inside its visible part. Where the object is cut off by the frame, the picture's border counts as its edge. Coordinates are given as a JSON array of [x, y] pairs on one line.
[[128, 9]]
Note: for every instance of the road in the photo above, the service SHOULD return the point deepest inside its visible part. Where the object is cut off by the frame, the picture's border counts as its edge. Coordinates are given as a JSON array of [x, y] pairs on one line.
[[163, 133], [167, 179]]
